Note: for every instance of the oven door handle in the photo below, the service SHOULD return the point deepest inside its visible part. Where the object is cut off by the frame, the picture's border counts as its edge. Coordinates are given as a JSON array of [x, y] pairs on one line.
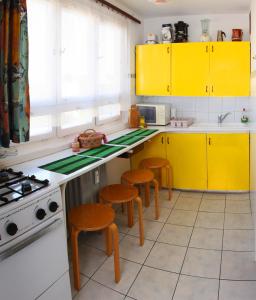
[[36, 236]]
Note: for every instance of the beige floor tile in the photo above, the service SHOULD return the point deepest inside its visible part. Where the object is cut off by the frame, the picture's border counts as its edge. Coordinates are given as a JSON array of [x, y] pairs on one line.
[[151, 229], [238, 266], [121, 221], [238, 206], [166, 257], [206, 238], [152, 284], [202, 263], [83, 281], [238, 240], [96, 239], [105, 275], [210, 220], [188, 203], [237, 290], [164, 194], [194, 288], [238, 196], [131, 250], [238, 221], [96, 291], [175, 235], [149, 214], [197, 195], [212, 205], [182, 217], [214, 196], [90, 259], [166, 203]]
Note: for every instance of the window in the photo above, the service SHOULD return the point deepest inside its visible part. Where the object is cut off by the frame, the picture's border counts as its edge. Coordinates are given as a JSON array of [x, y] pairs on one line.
[[78, 66]]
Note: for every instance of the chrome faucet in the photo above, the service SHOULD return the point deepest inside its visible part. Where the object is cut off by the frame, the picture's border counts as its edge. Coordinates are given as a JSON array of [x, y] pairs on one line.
[[222, 117]]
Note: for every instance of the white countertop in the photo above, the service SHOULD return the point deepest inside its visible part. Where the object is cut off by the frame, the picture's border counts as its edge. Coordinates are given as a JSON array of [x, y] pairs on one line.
[[31, 167]]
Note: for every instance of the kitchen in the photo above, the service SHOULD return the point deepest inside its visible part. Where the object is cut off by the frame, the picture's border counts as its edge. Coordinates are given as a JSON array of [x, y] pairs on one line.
[[84, 78]]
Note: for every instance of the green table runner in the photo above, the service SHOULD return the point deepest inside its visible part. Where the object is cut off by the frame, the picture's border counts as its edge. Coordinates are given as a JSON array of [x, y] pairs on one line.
[[69, 164], [126, 140], [142, 132], [102, 151]]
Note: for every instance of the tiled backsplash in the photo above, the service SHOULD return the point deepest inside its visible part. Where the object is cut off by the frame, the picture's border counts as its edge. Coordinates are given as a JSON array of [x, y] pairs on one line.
[[207, 109]]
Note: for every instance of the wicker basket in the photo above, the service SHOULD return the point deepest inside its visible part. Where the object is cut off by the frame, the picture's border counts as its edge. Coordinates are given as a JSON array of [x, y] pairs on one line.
[[90, 139]]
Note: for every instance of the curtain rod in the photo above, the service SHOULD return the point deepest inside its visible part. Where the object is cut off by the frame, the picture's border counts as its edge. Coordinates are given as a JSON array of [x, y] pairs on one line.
[[117, 9]]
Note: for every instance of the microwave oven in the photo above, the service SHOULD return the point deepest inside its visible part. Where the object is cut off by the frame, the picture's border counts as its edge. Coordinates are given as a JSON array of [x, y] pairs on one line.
[[155, 114]]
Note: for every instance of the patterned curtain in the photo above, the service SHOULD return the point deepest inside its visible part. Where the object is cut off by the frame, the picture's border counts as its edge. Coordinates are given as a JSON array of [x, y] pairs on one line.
[[14, 88]]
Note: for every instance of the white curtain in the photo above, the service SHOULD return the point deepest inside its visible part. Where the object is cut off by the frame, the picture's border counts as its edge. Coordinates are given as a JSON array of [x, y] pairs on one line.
[[78, 64]]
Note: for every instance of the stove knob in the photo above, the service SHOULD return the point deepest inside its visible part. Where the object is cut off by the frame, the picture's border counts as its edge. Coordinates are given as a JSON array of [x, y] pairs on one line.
[[53, 206], [40, 214], [11, 229]]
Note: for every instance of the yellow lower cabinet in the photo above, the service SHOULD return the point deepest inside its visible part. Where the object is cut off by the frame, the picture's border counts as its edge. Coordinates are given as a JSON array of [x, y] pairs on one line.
[[228, 161], [155, 147], [187, 155]]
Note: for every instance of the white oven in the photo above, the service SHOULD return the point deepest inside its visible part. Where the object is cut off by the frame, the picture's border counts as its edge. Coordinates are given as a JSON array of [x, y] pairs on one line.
[[155, 114], [33, 260]]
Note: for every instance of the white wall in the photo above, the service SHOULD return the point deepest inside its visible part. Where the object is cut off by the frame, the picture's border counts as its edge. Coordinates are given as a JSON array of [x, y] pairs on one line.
[[218, 22]]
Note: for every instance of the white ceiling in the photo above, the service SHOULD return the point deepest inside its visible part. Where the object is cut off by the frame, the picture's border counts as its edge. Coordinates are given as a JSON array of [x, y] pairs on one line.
[[146, 9]]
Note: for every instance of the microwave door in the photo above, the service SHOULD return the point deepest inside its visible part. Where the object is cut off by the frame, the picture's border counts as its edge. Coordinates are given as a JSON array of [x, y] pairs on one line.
[[149, 113]]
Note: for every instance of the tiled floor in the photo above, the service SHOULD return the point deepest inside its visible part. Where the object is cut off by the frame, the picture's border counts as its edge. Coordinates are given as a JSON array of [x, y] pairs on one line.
[[201, 248]]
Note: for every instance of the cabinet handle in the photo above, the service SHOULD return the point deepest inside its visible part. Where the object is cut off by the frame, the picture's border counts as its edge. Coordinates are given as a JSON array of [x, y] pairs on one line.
[[168, 50], [210, 141], [212, 49], [168, 88], [206, 89], [168, 140], [212, 89], [162, 139], [207, 49]]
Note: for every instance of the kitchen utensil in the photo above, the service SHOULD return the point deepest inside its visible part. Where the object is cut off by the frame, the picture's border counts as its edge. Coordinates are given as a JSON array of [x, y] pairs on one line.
[[205, 37], [237, 35], [220, 35], [151, 39], [181, 122], [167, 33]]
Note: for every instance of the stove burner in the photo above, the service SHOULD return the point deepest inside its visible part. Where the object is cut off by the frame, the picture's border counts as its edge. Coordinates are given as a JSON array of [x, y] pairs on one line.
[[26, 186], [14, 186], [4, 177]]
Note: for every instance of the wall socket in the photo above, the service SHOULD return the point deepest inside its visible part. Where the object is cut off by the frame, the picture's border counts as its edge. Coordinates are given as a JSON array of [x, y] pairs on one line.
[[97, 177]]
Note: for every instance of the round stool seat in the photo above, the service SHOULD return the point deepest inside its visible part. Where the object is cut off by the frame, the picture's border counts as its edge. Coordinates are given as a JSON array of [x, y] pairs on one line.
[[154, 163], [119, 193], [91, 217], [139, 176]]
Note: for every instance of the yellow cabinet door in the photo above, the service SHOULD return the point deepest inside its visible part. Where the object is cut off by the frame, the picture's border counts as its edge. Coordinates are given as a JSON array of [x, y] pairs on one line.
[[190, 69], [155, 147], [230, 68], [228, 162], [187, 155], [153, 70]]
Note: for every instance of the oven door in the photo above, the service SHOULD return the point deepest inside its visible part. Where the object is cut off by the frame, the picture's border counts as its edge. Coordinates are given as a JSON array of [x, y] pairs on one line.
[[35, 263], [149, 113]]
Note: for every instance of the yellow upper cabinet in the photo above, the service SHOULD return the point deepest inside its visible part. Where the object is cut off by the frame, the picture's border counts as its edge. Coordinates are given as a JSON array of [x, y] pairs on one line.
[[228, 162], [187, 155], [230, 68], [190, 69], [153, 70]]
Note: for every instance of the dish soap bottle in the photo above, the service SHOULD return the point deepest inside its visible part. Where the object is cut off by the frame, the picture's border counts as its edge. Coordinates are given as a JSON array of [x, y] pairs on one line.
[[244, 118]]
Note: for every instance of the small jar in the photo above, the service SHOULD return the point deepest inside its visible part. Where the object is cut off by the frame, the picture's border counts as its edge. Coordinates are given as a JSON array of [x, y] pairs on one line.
[[75, 146]]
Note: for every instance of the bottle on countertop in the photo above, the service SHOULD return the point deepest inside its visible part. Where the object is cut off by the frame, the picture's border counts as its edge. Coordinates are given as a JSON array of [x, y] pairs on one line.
[[134, 117], [244, 118]]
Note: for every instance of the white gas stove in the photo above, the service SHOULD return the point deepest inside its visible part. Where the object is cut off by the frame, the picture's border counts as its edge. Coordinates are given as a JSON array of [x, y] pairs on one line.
[[32, 239]]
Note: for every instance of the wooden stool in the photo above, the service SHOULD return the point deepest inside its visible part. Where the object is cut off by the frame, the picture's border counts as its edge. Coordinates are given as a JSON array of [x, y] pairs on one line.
[[124, 194], [93, 217], [143, 176], [157, 164]]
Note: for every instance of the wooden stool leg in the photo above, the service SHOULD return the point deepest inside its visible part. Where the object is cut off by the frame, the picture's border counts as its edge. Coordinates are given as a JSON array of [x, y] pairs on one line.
[[130, 210], [115, 233], [147, 194], [123, 208], [75, 257], [109, 246], [169, 176], [160, 181], [141, 223], [156, 200]]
